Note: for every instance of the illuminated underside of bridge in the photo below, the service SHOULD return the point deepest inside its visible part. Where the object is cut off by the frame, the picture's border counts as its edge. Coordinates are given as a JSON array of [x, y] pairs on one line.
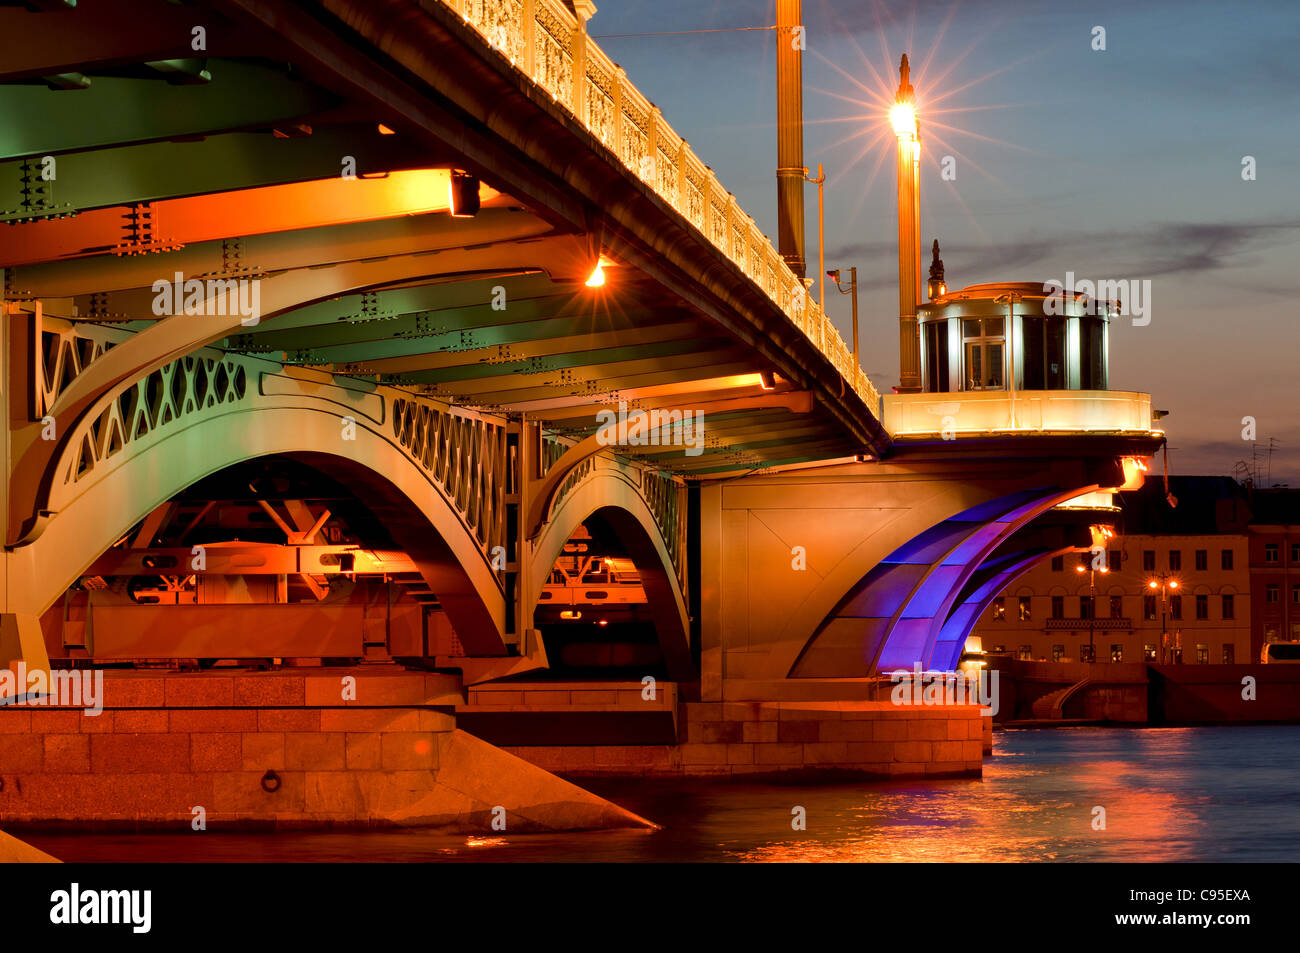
[[367, 427]]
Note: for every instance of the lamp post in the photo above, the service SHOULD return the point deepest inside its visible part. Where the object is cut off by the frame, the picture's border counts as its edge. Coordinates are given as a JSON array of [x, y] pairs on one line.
[[853, 290], [1164, 582], [902, 115], [820, 182], [1092, 606]]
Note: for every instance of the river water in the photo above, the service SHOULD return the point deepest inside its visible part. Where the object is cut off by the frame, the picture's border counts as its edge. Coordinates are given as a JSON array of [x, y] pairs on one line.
[[1169, 794]]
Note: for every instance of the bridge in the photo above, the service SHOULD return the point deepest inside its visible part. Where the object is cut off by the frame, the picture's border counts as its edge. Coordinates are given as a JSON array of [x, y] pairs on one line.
[[332, 329]]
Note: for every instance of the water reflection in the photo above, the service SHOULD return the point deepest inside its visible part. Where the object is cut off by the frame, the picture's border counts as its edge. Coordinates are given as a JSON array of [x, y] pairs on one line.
[[1169, 795]]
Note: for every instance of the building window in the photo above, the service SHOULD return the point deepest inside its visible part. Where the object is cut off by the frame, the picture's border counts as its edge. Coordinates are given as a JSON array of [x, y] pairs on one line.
[[1117, 607], [1148, 607], [1026, 653], [1202, 607], [1295, 553], [1225, 559], [1229, 654], [1086, 607], [1025, 613], [1058, 653], [1087, 653], [1202, 560], [1117, 652], [1272, 593], [1270, 632], [1295, 593], [999, 609], [1202, 654], [1175, 607], [1113, 560], [1149, 652], [1270, 553], [1058, 607], [1149, 560], [1058, 564], [1175, 560], [1229, 606]]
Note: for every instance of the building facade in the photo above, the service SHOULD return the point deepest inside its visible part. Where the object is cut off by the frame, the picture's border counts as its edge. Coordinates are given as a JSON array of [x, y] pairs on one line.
[[1178, 584], [1275, 567]]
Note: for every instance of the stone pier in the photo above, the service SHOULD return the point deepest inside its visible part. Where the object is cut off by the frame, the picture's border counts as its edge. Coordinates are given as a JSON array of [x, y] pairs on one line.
[[366, 747]]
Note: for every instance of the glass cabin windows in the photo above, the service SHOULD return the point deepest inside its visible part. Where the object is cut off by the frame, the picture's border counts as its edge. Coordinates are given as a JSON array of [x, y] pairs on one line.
[[982, 349], [936, 356], [1044, 353], [1092, 352]]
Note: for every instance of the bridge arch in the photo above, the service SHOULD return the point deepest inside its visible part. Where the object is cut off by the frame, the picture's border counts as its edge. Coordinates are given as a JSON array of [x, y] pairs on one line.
[[121, 489], [612, 492], [908, 606]]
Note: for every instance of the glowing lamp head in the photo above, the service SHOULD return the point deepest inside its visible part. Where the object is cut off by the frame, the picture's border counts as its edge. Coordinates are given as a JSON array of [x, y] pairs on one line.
[[1173, 584], [597, 278], [1153, 585], [903, 118]]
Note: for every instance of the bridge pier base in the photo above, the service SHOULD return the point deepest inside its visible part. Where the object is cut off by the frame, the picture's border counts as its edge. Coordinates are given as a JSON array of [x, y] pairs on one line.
[[358, 747], [574, 729]]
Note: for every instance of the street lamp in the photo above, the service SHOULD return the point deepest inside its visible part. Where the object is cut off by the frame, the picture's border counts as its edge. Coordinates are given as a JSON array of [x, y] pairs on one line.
[[902, 116], [597, 277], [1092, 605], [1164, 582], [851, 289]]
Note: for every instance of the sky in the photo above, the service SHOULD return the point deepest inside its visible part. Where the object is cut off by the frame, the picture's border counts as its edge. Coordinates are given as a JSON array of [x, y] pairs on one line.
[[1122, 163]]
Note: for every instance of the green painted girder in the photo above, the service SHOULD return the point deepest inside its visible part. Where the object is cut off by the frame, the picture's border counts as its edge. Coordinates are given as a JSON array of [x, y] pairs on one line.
[[115, 111], [154, 171], [707, 463], [496, 345], [602, 385], [415, 311], [732, 425], [585, 426], [496, 375], [737, 442], [434, 330]]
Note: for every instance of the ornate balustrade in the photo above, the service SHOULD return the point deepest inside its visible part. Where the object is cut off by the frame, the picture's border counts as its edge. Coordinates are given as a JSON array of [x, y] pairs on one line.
[[463, 453], [550, 45], [664, 494]]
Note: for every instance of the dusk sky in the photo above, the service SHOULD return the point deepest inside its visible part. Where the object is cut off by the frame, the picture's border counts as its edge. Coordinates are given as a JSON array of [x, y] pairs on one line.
[[1117, 164]]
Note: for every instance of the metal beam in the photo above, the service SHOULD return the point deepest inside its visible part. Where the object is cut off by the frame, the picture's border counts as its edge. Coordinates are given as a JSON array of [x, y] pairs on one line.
[[115, 111], [496, 240], [155, 171], [172, 224]]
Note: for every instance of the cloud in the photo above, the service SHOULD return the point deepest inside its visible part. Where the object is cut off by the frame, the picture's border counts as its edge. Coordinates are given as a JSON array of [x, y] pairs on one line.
[[1166, 248]]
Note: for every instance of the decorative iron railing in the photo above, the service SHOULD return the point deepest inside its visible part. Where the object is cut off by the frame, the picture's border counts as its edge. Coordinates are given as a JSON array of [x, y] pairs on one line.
[[550, 45], [463, 453]]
